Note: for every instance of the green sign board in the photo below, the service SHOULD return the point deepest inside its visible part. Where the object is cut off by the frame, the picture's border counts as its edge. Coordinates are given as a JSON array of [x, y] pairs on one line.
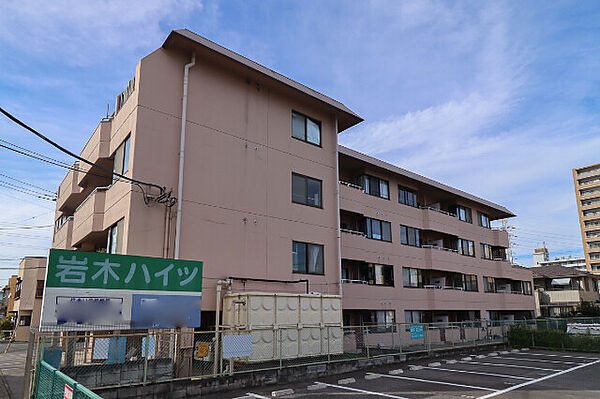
[[77, 269], [89, 290]]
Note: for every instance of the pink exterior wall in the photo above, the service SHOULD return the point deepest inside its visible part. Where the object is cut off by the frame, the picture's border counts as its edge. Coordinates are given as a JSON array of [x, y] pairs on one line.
[[237, 216]]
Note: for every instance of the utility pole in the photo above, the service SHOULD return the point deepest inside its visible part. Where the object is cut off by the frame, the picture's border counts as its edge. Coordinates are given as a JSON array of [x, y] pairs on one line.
[[509, 229]]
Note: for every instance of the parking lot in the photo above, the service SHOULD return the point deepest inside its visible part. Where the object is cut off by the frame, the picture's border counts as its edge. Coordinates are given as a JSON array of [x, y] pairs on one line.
[[504, 374]]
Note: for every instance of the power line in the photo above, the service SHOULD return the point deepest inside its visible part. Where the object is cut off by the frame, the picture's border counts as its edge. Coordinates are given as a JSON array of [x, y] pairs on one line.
[[14, 244], [29, 218], [23, 199], [164, 197], [50, 162], [35, 153], [28, 184], [28, 191], [45, 226]]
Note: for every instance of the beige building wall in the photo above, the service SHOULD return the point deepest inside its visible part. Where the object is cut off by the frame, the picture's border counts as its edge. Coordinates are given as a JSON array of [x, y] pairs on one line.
[[587, 193], [28, 298], [10, 289]]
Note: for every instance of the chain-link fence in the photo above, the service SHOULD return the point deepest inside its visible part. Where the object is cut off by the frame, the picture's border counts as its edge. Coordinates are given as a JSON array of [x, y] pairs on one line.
[[112, 358], [554, 334]]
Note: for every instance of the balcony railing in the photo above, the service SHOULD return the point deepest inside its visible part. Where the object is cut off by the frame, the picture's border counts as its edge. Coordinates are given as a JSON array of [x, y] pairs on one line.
[[439, 248], [350, 281], [438, 210], [352, 185], [355, 232], [446, 287]]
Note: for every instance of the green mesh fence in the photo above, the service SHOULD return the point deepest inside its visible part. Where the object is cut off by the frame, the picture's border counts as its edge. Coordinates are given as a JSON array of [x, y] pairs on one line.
[[52, 384]]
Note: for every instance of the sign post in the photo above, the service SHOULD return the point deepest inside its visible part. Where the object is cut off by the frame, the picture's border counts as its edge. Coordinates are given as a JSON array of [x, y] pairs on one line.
[[88, 290]]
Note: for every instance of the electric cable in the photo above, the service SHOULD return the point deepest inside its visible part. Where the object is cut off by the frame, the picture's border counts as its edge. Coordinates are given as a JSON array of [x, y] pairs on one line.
[[28, 184], [163, 197]]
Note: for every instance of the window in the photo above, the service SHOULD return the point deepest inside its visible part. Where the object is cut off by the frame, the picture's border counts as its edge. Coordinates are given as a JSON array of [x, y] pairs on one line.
[[306, 129], [498, 253], [409, 236], [307, 258], [484, 220], [378, 229], [469, 282], [18, 288], [307, 191], [25, 320], [466, 247], [407, 196], [375, 186], [412, 277], [486, 251], [383, 320], [39, 289], [61, 221], [381, 275], [412, 316], [489, 284], [115, 238], [527, 287], [121, 159], [464, 214]]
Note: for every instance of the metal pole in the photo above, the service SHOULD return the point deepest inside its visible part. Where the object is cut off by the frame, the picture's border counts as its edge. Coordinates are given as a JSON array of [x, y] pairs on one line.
[[427, 338], [146, 358], [281, 348], [366, 340], [28, 358], [328, 344]]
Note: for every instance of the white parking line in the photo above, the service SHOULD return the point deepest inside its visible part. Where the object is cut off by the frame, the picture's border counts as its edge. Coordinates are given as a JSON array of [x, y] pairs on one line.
[[255, 395], [552, 355], [436, 382], [493, 394], [511, 365], [480, 373], [386, 395], [539, 360]]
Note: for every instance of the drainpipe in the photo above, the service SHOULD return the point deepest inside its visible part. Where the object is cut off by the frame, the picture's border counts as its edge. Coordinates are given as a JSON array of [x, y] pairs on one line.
[[218, 322], [181, 152], [337, 195]]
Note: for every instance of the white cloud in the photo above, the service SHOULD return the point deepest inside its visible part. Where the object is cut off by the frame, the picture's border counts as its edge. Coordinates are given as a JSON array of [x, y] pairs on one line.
[[79, 32], [469, 140]]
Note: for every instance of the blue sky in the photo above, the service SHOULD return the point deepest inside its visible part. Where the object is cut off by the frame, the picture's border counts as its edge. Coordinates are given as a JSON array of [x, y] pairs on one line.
[[500, 99]]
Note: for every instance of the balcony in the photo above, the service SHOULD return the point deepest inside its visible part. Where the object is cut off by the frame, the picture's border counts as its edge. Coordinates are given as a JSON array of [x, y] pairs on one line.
[[97, 150], [352, 197], [359, 272], [439, 220], [88, 219], [70, 194], [63, 236], [551, 297]]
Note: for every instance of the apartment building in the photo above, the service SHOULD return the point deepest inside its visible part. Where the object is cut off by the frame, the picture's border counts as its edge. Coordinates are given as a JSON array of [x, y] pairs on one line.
[[416, 250], [587, 192], [8, 296], [559, 290], [261, 197], [29, 291]]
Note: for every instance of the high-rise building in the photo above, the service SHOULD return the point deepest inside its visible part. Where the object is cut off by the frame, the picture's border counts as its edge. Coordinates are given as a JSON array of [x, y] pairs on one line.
[[587, 192], [540, 255], [267, 193]]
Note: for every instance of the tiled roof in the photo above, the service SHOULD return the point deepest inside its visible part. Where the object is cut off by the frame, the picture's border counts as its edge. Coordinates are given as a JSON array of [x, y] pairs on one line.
[[554, 271]]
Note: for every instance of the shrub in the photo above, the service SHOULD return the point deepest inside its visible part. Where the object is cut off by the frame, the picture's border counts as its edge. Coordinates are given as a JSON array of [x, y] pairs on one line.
[[520, 336]]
